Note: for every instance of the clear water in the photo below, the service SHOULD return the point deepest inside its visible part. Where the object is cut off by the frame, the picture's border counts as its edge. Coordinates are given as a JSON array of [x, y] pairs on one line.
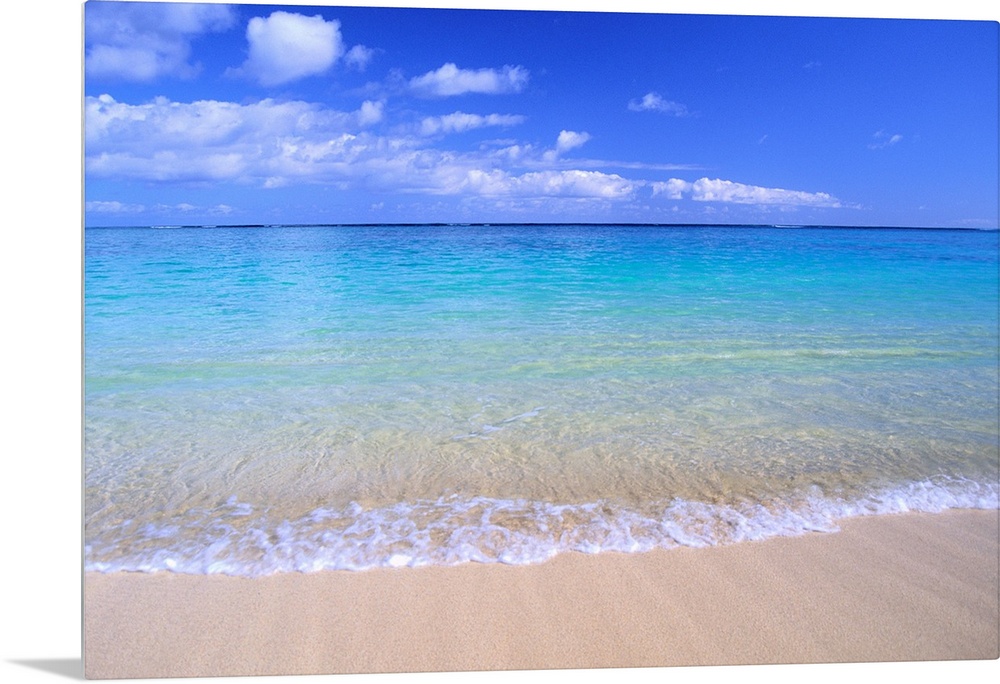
[[275, 399]]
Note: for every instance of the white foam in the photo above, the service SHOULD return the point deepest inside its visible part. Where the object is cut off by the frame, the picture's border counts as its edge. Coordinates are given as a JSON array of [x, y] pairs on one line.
[[236, 539]]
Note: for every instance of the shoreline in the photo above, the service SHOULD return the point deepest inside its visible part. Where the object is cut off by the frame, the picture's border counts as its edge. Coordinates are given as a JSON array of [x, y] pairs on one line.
[[904, 587]]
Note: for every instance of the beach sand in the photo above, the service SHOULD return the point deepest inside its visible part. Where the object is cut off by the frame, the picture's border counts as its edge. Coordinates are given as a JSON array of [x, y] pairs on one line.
[[903, 587]]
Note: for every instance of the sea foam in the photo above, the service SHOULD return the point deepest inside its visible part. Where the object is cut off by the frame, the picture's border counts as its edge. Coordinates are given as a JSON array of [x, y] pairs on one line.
[[237, 539]]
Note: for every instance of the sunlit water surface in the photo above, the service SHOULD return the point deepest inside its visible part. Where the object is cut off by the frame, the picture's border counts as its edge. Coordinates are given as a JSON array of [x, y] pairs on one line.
[[303, 398]]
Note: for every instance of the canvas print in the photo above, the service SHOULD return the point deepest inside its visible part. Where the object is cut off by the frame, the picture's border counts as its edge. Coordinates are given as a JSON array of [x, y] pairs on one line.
[[423, 340]]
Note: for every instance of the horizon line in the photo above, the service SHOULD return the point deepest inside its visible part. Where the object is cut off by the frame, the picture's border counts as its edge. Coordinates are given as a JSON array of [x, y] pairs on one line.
[[483, 224]]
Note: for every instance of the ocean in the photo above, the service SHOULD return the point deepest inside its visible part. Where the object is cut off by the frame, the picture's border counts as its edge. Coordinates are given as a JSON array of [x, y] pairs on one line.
[[302, 398]]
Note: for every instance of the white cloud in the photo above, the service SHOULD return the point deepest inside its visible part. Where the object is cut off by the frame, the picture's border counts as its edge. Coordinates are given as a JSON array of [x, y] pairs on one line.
[[120, 208], [370, 113], [570, 183], [210, 140], [188, 208], [881, 140], [654, 102], [459, 122], [359, 56], [636, 166], [673, 188], [113, 207], [267, 144], [450, 80], [272, 144], [515, 153], [285, 47], [144, 41], [726, 191], [568, 140]]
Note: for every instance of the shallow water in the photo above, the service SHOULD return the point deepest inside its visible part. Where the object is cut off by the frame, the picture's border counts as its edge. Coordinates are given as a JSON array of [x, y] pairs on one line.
[[300, 398]]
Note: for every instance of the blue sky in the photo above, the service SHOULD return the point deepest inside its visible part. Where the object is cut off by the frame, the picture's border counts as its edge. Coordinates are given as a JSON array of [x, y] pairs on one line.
[[223, 114]]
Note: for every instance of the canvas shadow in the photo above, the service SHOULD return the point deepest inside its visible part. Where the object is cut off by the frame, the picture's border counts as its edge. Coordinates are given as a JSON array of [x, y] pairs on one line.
[[71, 668]]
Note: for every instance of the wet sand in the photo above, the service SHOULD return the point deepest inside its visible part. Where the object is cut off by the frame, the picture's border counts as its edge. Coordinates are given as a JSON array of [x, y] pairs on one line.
[[889, 588]]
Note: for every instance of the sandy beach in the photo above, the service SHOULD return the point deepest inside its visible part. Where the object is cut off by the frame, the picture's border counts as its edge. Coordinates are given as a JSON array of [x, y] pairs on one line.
[[904, 587]]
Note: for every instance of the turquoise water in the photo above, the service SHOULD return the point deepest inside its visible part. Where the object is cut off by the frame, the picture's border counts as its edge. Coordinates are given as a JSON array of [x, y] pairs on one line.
[[275, 399]]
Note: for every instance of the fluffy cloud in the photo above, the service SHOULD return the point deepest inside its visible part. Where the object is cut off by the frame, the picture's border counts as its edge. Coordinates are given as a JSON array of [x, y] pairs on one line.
[[459, 122], [359, 56], [272, 144], [568, 140], [142, 42], [285, 47], [450, 80], [572, 183], [370, 113], [673, 188], [435, 172], [654, 102], [708, 190], [210, 140]]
